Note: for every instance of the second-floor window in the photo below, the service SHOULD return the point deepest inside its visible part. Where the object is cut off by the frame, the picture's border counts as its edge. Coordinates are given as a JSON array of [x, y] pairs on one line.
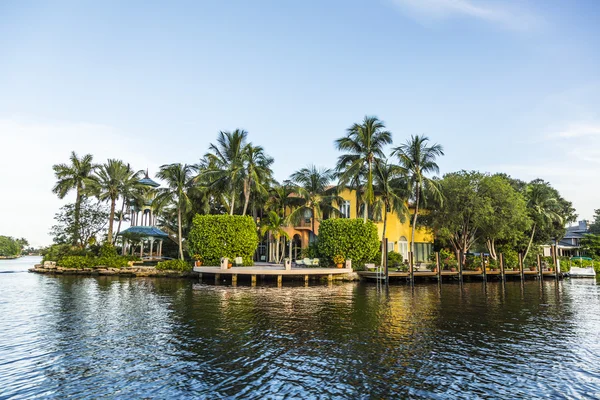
[[345, 209]]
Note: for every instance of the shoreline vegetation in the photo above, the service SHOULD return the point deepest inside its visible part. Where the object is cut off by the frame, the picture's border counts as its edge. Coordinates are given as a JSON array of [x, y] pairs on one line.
[[459, 214]]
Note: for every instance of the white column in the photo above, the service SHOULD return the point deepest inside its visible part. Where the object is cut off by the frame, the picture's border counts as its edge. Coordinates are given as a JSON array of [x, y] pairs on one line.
[[160, 248], [151, 245], [141, 248]]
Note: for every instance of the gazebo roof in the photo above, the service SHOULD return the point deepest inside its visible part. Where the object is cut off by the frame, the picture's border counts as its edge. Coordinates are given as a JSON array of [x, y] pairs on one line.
[[144, 231], [149, 182]]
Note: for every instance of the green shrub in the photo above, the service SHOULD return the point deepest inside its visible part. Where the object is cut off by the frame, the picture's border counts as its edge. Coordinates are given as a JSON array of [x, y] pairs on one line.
[[58, 251], [351, 238], [174, 265], [312, 251], [394, 259], [216, 236], [112, 262], [78, 262], [107, 250]]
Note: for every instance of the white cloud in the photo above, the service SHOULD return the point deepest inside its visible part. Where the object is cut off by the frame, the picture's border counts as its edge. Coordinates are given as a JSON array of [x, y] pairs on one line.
[[503, 13], [30, 148]]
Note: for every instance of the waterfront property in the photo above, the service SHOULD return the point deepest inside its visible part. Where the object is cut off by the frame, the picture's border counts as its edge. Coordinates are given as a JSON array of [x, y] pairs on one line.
[[398, 232]]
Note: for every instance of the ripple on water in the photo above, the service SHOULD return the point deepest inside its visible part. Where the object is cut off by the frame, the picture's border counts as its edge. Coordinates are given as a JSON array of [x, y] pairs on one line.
[[152, 338]]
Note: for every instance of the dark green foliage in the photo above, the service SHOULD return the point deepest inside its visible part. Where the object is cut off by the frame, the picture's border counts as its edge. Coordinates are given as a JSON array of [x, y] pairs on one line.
[[174, 265], [59, 251], [216, 236], [111, 262], [11, 247], [107, 250], [394, 259], [78, 262], [312, 251], [351, 238]]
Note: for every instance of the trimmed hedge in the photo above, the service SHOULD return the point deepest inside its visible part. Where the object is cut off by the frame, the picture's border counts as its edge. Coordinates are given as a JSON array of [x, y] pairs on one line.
[[351, 238], [81, 262], [216, 236], [174, 265]]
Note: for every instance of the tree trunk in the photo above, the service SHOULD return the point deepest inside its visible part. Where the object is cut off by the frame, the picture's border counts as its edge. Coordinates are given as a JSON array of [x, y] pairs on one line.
[[277, 250], [313, 221], [232, 203], [179, 234], [368, 193], [491, 246], [120, 220], [76, 234], [109, 237], [530, 241], [246, 196], [383, 234], [414, 224]]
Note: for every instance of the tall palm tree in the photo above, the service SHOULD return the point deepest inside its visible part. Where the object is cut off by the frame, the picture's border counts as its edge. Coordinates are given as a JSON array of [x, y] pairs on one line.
[[363, 145], [130, 189], [226, 159], [109, 183], [418, 159], [257, 172], [543, 207], [317, 196], [391, 191], [73, 176], [282, 197], [273, 225], [178, 180]]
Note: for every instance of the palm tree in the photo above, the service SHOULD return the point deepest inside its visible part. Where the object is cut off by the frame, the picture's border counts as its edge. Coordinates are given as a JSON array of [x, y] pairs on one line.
[[282, 197], [257, 171], [418, 159], [110, 181], [391, 192], [130, 189], [273, 225], [178, 180], [226, 162], [312, 186], [73, 176], [363, 145], [543, 207]]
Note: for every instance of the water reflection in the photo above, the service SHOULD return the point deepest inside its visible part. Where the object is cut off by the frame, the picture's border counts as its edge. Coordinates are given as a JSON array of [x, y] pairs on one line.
[[159, 338]]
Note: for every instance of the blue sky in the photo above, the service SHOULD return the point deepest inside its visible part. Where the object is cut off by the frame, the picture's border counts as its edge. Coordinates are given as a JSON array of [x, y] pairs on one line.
[[511, 86]]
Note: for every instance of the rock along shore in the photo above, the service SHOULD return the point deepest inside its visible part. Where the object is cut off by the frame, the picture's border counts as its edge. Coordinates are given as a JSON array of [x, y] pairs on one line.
[[128, 271]]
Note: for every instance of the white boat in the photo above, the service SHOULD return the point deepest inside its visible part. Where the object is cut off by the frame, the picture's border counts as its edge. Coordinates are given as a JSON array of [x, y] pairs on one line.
[[581, 271]]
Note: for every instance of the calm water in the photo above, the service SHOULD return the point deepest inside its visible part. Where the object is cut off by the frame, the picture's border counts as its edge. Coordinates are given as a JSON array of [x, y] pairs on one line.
[[153, 338]]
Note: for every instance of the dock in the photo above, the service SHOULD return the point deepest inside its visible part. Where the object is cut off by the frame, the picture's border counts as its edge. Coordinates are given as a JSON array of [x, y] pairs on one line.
[[435, 275], [278, 271]]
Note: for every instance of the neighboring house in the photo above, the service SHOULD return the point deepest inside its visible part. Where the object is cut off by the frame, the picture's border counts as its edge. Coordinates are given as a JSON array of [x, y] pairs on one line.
[[398, 233], [570, 246]]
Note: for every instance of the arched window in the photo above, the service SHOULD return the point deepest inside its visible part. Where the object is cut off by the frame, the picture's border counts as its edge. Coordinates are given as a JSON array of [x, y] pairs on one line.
[[403, 247]]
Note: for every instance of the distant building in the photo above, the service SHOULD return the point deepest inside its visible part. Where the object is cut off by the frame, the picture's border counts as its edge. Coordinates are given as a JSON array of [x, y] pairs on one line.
[[570, 246]]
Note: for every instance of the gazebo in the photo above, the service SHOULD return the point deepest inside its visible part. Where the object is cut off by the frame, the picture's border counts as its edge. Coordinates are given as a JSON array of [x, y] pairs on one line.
[[143, 224]]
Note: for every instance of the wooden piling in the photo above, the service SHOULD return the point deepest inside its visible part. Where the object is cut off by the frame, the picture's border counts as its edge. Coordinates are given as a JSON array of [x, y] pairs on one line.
[[253, 280], [555, 260], [305, 280], [539, 265], [483, 268], [521, 267], [459, 259], [411, 268], [501, 260], [279, 280], [234, 280], [217, 278], [438, 266], [330, 278]]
